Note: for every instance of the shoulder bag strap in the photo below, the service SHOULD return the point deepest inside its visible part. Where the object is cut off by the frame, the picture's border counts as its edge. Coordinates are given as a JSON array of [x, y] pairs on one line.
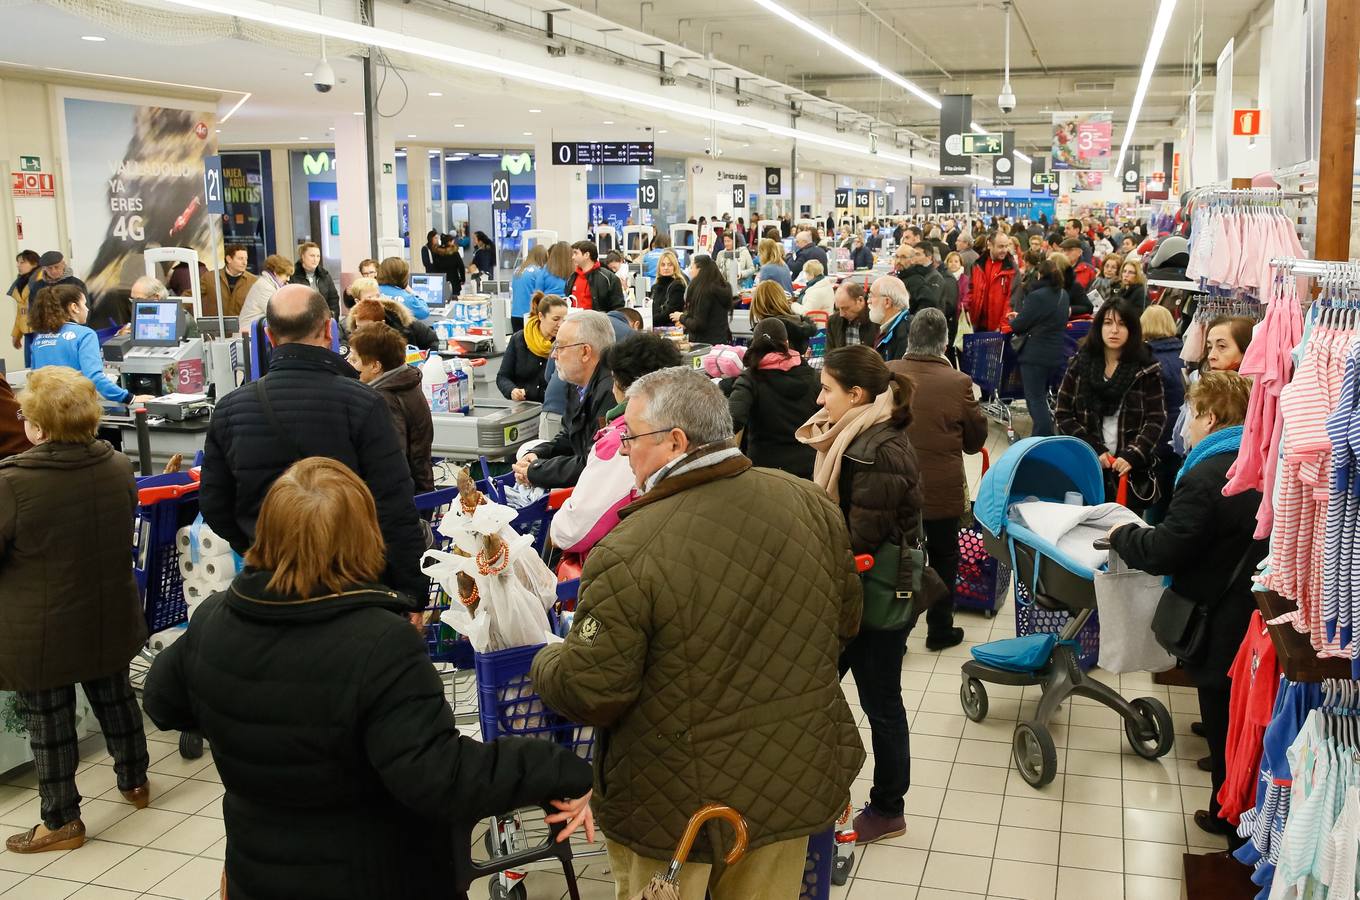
[[286, 437]]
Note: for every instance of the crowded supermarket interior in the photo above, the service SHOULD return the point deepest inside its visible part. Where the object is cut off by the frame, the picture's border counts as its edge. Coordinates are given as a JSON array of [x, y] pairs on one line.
[[742, 450]]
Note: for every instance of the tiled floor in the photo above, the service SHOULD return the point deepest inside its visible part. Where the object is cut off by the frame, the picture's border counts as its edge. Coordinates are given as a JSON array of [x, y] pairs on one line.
[[1110, 826]]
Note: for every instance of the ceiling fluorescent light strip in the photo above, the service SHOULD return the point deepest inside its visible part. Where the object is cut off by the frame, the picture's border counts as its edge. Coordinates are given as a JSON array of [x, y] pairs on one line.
[[311, 23], [846, 50], [1159, 29]]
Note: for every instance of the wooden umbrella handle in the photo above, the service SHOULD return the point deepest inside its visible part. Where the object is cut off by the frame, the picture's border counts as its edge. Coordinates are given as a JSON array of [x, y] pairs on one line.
[[696, 821]]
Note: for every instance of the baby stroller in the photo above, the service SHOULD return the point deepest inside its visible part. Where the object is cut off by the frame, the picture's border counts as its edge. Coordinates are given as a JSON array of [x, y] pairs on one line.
[[1047, 469]]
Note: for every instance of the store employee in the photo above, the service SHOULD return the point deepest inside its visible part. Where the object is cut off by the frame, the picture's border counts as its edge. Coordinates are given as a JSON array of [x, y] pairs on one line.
[[57, 316]]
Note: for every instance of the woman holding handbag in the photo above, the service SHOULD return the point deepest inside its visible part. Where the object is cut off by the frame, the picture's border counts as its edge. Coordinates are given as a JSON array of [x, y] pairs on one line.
[[1206, 545], [866, 463]]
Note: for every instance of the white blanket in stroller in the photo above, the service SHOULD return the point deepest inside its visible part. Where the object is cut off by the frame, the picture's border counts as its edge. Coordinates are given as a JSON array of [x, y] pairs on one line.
[[1072, 529]]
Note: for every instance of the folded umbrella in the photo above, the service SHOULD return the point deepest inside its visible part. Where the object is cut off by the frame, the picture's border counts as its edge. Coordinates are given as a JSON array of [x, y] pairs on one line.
[[667, 886]]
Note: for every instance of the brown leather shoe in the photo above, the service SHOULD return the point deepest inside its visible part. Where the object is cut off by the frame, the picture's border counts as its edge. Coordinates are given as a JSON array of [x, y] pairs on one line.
[[67, 837], [139, 797]]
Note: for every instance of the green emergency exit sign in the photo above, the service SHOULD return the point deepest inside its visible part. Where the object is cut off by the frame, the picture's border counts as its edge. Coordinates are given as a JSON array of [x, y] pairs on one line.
[[30, 164]]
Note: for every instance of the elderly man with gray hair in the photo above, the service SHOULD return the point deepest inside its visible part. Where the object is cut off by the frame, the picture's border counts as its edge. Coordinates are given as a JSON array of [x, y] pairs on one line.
[[718, 575], [889, 301], [945, 424], [580, 345]]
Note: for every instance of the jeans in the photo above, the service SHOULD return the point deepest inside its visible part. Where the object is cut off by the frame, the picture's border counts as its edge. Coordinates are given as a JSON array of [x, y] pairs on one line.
[[942, 546], [1035, 378], [875, 659]]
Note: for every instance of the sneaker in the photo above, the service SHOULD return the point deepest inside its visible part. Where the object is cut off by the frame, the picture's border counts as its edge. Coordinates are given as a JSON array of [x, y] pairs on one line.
[[871, 826], [951, 638]]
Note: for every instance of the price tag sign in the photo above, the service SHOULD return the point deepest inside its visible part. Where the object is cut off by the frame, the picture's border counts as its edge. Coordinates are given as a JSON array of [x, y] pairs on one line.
[[739, 195], [500, 192], [649, 194], [212, 185]]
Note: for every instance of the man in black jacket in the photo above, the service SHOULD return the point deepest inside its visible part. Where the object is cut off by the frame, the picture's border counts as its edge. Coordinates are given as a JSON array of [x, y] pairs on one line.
[[591, 285], [309, 271], [581, 343], [924, 283], [807, 249], [310, 404], [850, 323]]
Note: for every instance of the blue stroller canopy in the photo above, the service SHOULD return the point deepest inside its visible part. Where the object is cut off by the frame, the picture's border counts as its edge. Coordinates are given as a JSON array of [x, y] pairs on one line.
[[1042, 467]]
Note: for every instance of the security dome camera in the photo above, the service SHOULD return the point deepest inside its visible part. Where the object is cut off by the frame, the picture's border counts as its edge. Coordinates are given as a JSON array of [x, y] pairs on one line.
[[1006, 102], [323, 77]]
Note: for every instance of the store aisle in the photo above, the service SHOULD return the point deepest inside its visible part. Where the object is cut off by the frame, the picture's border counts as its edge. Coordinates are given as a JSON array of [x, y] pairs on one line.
[[1111, 825]]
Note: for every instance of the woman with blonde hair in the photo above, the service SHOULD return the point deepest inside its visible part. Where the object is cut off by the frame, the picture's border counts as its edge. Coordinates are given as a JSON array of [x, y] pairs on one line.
[[668, 289], [369, 305], [772, 265], [340, 768], [70, 612], [274, 274], [768, 301]]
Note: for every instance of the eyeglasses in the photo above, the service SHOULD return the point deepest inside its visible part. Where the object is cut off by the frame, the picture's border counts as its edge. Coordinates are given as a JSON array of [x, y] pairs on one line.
[[626, 437], [558, 348]]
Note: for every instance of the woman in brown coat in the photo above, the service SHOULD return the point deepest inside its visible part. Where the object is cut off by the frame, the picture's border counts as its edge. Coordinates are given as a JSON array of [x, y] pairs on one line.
[[378, 352], [69, 608]]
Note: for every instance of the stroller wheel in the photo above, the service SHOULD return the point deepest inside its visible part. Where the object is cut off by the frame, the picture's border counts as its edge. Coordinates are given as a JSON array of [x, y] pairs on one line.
[[1035, 756], [840, 869], [1162, 736], [973, 699], [190, 745]]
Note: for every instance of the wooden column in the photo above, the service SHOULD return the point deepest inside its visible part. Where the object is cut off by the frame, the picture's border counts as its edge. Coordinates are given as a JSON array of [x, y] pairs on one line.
[[1337, 153]]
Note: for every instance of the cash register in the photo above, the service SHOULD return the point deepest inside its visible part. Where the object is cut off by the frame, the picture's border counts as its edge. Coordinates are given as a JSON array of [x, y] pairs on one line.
[[157, 360]]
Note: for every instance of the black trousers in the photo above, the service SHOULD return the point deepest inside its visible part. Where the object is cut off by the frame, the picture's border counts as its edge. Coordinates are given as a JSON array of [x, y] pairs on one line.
[[1213, 712], [942, 545], [50, 717], [1035, 379], [875, 659]]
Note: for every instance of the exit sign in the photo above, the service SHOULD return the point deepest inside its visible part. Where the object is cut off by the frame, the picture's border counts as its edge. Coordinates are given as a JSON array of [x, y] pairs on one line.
[[30, 164], [982, 144]]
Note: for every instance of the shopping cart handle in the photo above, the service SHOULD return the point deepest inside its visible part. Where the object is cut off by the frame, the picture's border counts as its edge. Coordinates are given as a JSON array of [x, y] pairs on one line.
[[1100, 544], [468, 870], [557, 498], [986, 460], [863, 563], [153, 495], [1122, 493]]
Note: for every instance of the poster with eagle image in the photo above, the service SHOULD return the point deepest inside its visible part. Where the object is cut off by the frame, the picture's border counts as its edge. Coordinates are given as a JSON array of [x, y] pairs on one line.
[[135, 181]]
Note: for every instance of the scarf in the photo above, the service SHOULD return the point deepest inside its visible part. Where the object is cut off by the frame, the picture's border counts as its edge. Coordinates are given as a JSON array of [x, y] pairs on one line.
[[699, 458], [831, 441], [1225, 440], [1107, 394], [538, 345]]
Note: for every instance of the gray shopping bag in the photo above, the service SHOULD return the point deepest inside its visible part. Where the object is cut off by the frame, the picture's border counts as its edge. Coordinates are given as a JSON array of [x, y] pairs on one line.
[[1127, 599]]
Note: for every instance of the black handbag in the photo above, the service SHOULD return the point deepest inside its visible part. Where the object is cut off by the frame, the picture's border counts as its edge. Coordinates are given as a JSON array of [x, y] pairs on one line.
[[1181, 625]]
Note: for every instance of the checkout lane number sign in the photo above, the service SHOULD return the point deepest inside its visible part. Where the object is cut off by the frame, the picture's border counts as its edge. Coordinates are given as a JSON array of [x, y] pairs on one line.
[[500, 192], [649, 194], [212, 185]]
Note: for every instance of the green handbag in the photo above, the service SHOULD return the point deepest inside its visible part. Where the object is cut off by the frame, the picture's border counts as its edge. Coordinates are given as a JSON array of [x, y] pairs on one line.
[[892, 586]]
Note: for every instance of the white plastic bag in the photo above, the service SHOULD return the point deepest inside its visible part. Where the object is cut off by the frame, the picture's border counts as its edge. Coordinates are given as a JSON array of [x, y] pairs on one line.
[[1126, 600]]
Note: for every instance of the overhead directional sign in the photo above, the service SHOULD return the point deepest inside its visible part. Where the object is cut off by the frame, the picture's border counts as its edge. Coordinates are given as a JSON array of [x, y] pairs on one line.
[[983, 144], [603, 153]]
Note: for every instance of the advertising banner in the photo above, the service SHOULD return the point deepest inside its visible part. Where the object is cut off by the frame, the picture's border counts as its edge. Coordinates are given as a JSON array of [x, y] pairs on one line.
[[1003, 166], [135, 181], [249, 217], [956, 112], [1088, 181], [1081, 140]]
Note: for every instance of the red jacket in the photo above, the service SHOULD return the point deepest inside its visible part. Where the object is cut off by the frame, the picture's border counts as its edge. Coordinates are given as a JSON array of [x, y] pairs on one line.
[[990, 293], [580, 289], [1085, 274]]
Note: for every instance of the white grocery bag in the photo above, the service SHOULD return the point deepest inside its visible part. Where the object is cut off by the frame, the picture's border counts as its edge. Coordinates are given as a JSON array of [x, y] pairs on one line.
[[1126, 600]]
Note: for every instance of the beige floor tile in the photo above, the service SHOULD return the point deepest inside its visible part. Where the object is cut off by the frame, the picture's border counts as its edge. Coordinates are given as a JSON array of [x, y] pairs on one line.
[[10, 879], [1143, 887], [1162, 771], [970, 806], [1085, 884], [28, 863], [1032, 812], [951, 871], [896, 865], [1096, 717], [1027, 845], [99, 892], [1197, 837], [89, 862], [920, 833], [1084, 851], [193, 836], [1098, 791], [1093, 764], [174, 764], [967, 838], [979, 779], [12, 796], [1151, 825], [925, 801], [143, 826], [938, 724], [1023, 880], [866, 889], [24, 814], [1104, 740], [198, 879], [40, 888], [1149, 795], [1016, 786], [143, 869], [216, 851], [982, 753], [188, 796], [101, 815], [1086, 818], [1149, 858], [1194, 797], [929, 746], [930, 772]]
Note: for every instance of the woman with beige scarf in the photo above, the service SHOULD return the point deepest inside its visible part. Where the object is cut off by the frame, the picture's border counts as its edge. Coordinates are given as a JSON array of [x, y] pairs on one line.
[[866, 464]]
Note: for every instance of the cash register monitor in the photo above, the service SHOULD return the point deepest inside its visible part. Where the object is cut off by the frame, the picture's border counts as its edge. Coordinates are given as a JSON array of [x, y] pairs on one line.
[[429, 288], [157, 323]]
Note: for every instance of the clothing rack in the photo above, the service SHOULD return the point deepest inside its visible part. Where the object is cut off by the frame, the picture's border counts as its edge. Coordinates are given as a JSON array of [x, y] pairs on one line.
[[1317, 268]]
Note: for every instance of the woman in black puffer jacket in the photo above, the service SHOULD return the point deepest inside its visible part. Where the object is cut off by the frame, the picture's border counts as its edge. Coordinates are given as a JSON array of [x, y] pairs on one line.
[[1039, 326], [770, 400], [708, 304], [345, 775], [866, 463]]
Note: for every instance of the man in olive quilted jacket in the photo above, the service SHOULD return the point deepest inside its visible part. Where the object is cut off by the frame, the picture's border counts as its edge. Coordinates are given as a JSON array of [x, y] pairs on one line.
[[704, 650]]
